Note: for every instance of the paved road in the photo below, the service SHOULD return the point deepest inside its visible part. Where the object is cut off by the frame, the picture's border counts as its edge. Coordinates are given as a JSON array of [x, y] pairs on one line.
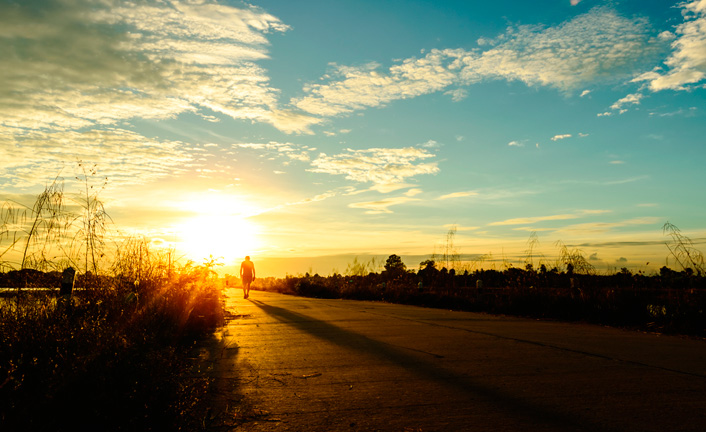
[[296, 364]]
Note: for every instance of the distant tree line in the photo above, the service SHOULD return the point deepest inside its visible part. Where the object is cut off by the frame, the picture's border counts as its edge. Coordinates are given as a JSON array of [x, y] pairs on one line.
[[671, 301]]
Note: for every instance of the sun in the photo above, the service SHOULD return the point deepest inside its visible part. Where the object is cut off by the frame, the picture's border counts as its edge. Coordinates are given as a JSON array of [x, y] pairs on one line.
[[224, 237], [221, 226]]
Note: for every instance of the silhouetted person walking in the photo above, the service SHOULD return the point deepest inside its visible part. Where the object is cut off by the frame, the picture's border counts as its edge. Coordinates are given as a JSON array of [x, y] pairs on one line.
[[247, 275]]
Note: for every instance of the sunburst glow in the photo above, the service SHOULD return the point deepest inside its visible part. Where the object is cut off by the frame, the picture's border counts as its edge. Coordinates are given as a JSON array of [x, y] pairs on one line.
[[220, 229], [225, 237]]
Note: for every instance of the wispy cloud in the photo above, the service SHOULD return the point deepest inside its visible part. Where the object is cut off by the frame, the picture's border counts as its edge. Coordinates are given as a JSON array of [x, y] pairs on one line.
[[608, 182], [457, 195], [535, 219], [381, 206], [531, 220], [602, 227], [460, 227], [560, 137], [386, 168], [624, 181], [304, 201], [614, 244]]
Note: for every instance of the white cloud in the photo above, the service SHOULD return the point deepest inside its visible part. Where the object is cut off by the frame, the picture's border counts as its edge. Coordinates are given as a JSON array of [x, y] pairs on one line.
[[516, 144], [83, 63], [368, 86], [457, 195], [287, 121], [29, 158], [585, 93], [575, 2], [667, 36], [342, 131], [430, 144], [597, 45], [301, 153], [631, 99], [560, 137], [457, 95], [386, 168], [686, 65]]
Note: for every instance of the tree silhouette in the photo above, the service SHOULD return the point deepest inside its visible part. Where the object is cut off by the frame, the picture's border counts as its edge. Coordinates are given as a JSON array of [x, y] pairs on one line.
[[394, 265]]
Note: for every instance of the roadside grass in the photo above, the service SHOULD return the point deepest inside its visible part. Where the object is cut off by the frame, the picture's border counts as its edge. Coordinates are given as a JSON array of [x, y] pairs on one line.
[[113, 358]]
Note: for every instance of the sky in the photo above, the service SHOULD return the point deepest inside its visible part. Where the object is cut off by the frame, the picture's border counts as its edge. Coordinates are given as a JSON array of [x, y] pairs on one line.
[[307, 133]]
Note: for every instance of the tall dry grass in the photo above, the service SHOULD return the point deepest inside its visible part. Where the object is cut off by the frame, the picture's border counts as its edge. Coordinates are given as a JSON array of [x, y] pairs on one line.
[[119, 354]]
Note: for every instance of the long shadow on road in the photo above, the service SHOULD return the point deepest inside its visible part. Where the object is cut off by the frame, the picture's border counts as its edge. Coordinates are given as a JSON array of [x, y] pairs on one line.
[[517, 407]]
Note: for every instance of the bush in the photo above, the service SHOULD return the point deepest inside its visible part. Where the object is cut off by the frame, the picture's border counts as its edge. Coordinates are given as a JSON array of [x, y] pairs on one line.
[[671, 302]]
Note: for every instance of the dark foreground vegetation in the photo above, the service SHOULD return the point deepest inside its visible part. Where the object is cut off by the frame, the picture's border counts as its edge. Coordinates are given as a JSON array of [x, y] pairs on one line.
[[671, 301], [118, 355]]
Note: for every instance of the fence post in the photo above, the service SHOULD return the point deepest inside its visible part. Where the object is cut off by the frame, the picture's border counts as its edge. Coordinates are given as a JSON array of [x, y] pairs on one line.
[[67, 283]]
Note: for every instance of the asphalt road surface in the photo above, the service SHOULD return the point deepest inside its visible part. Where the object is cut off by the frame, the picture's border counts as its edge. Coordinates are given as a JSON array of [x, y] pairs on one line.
[[297, 364]]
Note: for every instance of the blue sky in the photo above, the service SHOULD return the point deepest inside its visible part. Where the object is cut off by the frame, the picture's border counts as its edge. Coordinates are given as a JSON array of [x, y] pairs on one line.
[[314, 129]]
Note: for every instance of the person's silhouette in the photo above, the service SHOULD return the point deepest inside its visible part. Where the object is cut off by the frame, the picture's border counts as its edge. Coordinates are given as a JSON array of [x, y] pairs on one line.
[[247, 275]]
